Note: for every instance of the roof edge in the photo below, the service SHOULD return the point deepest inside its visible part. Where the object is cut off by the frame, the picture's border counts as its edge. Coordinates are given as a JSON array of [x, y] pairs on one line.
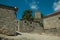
[[52, 14], [8, 7]]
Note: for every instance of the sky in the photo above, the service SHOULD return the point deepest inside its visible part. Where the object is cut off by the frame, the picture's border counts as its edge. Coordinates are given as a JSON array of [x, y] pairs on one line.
[[44, 6]]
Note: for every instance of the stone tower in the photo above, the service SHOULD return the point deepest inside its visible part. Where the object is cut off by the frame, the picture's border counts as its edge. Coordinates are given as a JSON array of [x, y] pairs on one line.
[[37, 15]]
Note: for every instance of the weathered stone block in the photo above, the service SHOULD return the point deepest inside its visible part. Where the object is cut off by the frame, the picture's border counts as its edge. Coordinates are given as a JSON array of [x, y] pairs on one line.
[[7, 20]]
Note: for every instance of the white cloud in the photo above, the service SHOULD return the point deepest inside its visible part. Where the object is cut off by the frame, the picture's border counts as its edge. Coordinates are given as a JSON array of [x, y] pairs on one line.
[[56, 6], [34, 5]]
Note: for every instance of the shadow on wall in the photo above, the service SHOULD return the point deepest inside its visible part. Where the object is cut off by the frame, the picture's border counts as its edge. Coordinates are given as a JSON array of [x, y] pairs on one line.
[[0, 38]]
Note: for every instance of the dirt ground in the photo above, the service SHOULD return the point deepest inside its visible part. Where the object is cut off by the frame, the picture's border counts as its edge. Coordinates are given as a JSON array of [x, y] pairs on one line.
[[32, 36]]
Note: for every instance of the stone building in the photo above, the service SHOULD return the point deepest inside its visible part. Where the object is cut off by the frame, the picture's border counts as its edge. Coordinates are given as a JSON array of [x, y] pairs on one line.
[[40, 23], [52, 21], [8, 20], [37, 15], [32, 26]]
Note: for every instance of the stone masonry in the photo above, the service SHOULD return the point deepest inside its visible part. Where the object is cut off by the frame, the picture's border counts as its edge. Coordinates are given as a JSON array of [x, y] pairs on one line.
[[27, 26], [32, 26], [7, 20], [52, 21]]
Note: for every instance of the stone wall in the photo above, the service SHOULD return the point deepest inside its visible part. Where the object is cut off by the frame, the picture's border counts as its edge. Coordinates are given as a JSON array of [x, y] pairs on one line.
[[30, 27], [7, 21], [52, 22]]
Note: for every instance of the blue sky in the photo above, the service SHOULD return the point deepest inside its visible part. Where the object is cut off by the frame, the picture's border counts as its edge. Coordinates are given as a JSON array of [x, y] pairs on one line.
[[45, 6]]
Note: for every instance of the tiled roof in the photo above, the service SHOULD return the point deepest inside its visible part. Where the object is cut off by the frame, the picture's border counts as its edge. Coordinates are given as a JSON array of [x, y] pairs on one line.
[[50, 15]]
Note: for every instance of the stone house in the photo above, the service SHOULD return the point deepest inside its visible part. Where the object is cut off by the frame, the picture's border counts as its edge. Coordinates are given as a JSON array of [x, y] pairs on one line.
[[52, 21], [8, 20]]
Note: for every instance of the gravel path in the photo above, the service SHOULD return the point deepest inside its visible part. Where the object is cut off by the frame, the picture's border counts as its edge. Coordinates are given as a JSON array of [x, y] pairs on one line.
[[34, 36]]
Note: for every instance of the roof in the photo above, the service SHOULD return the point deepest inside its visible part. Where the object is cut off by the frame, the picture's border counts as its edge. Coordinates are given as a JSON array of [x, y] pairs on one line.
[[8, 7], [53, 14]]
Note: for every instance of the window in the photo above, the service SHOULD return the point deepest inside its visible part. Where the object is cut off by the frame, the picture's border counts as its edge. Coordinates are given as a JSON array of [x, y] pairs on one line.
[[30, 26], [59, 17], [25, 22], [30, 22]]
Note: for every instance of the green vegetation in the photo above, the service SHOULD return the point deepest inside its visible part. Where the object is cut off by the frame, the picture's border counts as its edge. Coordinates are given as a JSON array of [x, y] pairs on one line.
[[27, 15]]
